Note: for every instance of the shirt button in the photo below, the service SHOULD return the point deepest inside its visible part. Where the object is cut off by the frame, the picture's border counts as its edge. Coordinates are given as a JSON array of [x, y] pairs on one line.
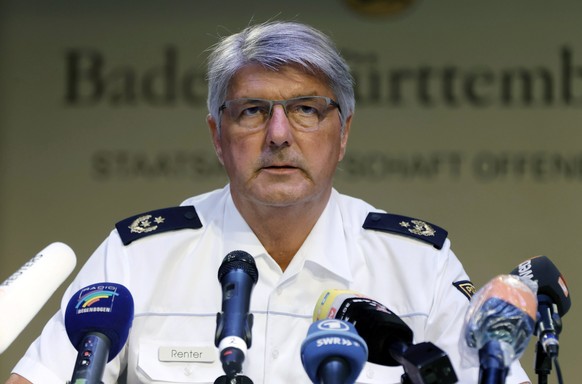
[[275, 354], [370, 373], [375, 217], [279, 291], [187, 371]]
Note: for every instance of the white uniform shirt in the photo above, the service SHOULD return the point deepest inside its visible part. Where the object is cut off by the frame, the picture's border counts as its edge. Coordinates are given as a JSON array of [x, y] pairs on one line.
[[173, 279]]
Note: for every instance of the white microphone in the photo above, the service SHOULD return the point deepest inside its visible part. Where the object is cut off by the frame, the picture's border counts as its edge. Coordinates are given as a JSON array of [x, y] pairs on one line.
[[24, 293]]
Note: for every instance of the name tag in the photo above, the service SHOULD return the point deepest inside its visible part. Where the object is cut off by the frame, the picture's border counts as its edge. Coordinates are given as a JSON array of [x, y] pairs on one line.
[[187, 354]]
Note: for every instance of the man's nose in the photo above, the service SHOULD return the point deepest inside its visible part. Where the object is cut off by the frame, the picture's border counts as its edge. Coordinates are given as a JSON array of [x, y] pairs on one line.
[[279, 127]]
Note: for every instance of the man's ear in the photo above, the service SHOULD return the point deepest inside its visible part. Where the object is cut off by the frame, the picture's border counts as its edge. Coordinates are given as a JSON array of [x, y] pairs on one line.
[[344, 137], [215, 133]]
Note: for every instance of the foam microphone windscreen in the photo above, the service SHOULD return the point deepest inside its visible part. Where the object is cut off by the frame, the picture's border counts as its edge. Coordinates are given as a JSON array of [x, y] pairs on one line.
[[105, 308], [549, 280], [382, 329], [24, 293], [333, 350]]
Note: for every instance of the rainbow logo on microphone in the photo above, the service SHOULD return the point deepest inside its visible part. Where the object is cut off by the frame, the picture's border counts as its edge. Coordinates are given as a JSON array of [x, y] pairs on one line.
[[98, 298]]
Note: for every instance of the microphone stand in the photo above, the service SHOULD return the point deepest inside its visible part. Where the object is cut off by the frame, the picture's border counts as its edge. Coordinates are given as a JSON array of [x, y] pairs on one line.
[[542, 364], [492, 369], [544, 356]]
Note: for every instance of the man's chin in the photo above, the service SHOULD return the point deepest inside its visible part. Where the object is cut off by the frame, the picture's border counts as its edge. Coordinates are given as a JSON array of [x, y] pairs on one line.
[[281, 197]]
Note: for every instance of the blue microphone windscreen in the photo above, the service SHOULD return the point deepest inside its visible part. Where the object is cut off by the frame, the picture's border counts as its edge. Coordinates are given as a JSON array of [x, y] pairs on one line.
[[333, 338], [106, 308]]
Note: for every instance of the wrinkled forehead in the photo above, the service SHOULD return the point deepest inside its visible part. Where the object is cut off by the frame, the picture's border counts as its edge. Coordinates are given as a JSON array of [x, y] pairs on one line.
[[289, 80]]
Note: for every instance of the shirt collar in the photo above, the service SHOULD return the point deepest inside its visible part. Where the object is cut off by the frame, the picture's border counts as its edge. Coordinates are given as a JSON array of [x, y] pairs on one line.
[[238, 233], [325, 246]]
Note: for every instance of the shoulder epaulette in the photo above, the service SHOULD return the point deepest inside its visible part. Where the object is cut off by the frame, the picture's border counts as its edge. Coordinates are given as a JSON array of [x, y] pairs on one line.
[[407, 226], [158, 221]]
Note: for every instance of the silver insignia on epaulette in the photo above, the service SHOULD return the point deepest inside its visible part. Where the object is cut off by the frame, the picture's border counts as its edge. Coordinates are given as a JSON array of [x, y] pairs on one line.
[[420, 228], [143, 224]]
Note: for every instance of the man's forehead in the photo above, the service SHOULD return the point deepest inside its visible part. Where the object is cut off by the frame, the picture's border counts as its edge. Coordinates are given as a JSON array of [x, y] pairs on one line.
[[284, 82]]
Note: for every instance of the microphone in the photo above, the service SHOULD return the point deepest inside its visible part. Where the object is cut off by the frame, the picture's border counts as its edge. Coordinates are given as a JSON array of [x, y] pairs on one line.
[[499, 323], [553, 299], [237, 274], [388, 338], [333, 352], [97, 320], [24, 293]]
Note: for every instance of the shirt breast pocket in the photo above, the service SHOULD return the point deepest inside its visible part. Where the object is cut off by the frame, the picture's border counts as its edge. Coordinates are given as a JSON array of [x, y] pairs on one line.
[[177, 363]]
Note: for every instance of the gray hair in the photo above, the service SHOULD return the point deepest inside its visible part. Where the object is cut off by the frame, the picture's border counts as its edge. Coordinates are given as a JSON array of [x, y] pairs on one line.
[[273, 45]]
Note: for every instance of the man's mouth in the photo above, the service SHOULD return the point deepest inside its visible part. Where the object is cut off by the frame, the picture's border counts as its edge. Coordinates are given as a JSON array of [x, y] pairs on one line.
[[280, 166]]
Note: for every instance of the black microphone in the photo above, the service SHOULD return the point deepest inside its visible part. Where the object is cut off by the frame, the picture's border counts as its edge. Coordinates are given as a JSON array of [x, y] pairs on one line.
[[97, 320], [389, 339], [553, 299], [237, 274]]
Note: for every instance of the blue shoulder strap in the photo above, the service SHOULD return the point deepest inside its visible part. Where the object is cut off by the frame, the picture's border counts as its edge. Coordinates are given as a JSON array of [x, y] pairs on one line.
[[406, 226], [158, 221]]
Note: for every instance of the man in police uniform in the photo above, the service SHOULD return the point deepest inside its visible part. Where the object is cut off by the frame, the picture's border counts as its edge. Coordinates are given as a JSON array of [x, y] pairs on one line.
[[281, 104]]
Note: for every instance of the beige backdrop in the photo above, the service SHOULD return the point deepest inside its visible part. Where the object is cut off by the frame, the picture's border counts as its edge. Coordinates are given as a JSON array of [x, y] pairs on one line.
[[468, 116]]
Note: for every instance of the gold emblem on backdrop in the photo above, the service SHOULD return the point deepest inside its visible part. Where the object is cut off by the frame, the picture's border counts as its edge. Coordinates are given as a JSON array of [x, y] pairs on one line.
[[379, 7]]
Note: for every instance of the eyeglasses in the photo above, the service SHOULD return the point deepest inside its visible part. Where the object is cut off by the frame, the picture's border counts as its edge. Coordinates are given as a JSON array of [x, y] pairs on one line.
[[304, 113]]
